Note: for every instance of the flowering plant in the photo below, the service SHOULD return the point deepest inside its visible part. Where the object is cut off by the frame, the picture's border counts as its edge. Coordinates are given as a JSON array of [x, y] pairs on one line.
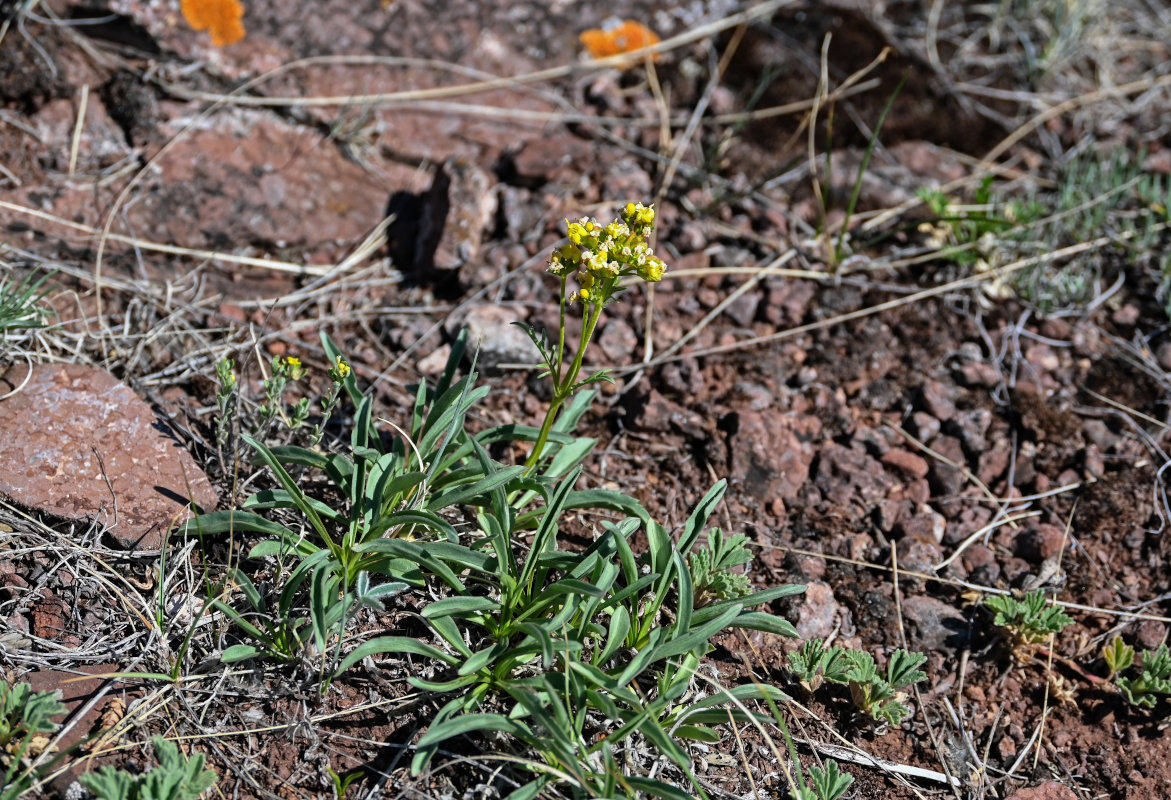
[[597, 257]]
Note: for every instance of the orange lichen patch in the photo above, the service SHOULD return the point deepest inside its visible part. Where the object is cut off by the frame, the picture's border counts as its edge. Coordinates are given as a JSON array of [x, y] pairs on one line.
[[223, 19], [621, 38]]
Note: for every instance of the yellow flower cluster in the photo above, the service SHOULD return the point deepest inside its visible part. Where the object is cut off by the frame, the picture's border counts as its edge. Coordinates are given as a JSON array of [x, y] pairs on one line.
[[340, 370], [601, 254]]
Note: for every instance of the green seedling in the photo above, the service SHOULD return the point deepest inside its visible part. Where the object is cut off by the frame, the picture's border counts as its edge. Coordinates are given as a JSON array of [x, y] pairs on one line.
[[825, 784], [21, 308], [881, 696], [1154, 680], [814, 664], [1118, 655], [227, 395], [877, 695], [1029, 621], [284, 372], [176, 777], [711, 568], [25, 714]]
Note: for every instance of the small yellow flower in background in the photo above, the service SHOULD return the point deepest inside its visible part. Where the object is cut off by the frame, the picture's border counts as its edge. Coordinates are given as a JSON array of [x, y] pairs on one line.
[[340, 371], [295, 368]]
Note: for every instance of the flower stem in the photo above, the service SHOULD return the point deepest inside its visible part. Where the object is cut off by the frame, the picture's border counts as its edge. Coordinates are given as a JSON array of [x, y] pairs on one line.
[[563, 388]]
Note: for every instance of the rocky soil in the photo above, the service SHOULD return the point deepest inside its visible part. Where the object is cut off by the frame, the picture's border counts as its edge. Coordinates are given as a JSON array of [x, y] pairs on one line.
[[903, 433]]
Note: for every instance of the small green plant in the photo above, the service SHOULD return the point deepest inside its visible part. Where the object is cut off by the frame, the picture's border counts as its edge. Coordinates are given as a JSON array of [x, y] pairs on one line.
[[881, 696], [711, 568], [569, 651], [814, 664], [1154, 680], [825, 784], [1029, 621], [25, 724], [1118, 655], [226, 398], [1094, 194], [176, 777], [878, 695], [284, 372], [24, 714], [20, 303]]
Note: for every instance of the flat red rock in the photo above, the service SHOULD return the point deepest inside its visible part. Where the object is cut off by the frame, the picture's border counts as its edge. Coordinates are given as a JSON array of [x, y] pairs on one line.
[[77, 443]]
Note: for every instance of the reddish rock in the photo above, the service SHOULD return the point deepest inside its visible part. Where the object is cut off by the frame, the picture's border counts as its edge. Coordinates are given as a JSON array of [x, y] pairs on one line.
[[979, 374], [77, 689], [1050, 790], [926, 427], [820, 612], [980, 563], [992, 465], [550, 157], [934, 625], [1151, 634], [906, 462], [927, 526], [48, 615], [1041, 542], [946, 479], [849, 477], [937, 400], [771, 452], [81, 445], [657, 413], [491, 328]]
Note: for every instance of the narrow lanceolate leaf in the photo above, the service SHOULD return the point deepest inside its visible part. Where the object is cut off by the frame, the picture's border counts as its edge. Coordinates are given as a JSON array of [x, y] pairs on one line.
[[760, 621], [391, 645], [242, 521], [472, 723], [459, 607], [479, 489]]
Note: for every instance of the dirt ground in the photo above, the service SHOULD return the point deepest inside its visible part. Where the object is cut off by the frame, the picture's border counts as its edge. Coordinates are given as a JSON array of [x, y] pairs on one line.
[[903, 433]]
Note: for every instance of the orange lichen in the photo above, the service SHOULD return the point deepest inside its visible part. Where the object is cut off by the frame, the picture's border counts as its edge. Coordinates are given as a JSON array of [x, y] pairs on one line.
[[223, 19], [621, 38]]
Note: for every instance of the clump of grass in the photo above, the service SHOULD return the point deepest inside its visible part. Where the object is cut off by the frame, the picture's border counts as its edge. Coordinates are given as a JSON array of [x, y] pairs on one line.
[[1094, 196], [21, 307]]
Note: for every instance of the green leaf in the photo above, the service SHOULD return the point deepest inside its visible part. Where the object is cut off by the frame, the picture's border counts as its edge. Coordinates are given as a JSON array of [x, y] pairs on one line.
[[830, 783], [902, 669], [241, 521], [396, 645], [700, 514], [476, 491], [698, 733], [762, 621], [241, 652], [459, 607], [1117, 655], [473, 723]]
